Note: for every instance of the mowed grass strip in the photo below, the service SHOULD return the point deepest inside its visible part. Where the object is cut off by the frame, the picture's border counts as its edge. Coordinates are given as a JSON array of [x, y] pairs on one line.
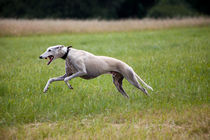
[[175, 62]]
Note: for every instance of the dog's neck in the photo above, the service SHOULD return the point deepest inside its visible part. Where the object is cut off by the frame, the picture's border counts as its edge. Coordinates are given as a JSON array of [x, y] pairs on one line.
[[66, 53]]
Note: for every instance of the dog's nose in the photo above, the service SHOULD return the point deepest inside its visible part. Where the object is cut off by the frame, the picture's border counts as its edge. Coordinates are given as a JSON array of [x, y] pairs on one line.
[[40, 57]]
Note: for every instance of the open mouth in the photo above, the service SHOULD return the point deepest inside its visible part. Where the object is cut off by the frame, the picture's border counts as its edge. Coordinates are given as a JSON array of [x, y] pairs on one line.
[[50, 59]]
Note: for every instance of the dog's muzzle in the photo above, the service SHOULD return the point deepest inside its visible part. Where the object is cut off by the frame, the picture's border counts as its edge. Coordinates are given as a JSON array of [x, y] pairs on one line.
[[51, 57]]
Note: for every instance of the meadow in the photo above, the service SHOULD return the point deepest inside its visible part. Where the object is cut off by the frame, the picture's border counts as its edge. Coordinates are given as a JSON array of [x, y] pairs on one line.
[[174, 61]]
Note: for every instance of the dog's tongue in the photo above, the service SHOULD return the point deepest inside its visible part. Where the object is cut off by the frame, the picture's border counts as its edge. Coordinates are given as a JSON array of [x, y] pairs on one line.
[[50, 60]]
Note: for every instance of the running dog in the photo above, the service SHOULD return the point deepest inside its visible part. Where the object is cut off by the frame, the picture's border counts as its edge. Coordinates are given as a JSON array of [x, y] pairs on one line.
[[85, 65]]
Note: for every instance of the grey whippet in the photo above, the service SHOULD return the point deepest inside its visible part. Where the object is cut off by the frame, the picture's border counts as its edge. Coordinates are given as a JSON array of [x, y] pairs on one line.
[[83, 64]]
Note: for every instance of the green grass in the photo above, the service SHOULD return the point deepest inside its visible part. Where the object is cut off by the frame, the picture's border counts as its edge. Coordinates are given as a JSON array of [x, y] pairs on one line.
[[175, 62]]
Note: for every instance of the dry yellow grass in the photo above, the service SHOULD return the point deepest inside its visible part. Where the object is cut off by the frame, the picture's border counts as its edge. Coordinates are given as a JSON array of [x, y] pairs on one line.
[[50, 26]]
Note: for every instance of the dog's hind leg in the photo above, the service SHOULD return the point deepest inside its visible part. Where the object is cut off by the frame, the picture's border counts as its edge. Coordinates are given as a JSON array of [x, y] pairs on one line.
[[133, 80], [137, 85], [117, 80]]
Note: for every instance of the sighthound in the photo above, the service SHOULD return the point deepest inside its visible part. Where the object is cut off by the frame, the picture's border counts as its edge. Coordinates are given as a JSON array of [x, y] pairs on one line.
[[85, 65]]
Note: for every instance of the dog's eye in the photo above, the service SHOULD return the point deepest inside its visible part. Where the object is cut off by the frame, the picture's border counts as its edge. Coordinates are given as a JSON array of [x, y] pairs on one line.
[[49, 50]]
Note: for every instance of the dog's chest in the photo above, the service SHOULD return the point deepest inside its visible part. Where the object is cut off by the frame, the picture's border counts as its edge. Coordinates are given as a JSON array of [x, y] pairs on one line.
[[70, 69]]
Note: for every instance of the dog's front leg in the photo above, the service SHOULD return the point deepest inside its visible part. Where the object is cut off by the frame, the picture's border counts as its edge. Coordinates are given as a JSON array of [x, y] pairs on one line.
[[77, 74], [60, 78]]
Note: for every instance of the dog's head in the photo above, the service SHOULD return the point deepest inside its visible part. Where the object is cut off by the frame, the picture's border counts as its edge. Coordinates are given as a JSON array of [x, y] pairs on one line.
[[53, 53]]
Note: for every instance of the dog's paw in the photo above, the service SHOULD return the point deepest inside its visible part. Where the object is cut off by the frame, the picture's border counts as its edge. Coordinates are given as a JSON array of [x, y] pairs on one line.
[[70, 87], [45, 90]]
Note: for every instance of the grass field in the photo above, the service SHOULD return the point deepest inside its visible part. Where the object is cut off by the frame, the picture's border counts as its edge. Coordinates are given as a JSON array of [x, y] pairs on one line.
[[175, 62]]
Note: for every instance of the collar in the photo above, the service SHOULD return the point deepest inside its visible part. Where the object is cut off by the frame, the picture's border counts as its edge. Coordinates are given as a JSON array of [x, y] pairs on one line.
[[65, 55]]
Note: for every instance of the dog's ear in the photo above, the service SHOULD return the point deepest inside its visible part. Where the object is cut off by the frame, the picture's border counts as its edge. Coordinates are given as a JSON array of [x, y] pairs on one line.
[[60, 46], [69, 47]]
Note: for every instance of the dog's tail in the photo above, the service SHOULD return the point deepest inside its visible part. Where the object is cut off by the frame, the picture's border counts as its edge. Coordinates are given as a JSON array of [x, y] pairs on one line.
[[144, 82]]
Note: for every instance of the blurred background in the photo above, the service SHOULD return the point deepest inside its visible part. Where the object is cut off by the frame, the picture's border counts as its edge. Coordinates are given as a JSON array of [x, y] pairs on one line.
[[103, 9]]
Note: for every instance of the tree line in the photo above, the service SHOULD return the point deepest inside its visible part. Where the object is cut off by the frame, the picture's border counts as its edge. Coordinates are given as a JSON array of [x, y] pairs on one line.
[[102, 9]]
